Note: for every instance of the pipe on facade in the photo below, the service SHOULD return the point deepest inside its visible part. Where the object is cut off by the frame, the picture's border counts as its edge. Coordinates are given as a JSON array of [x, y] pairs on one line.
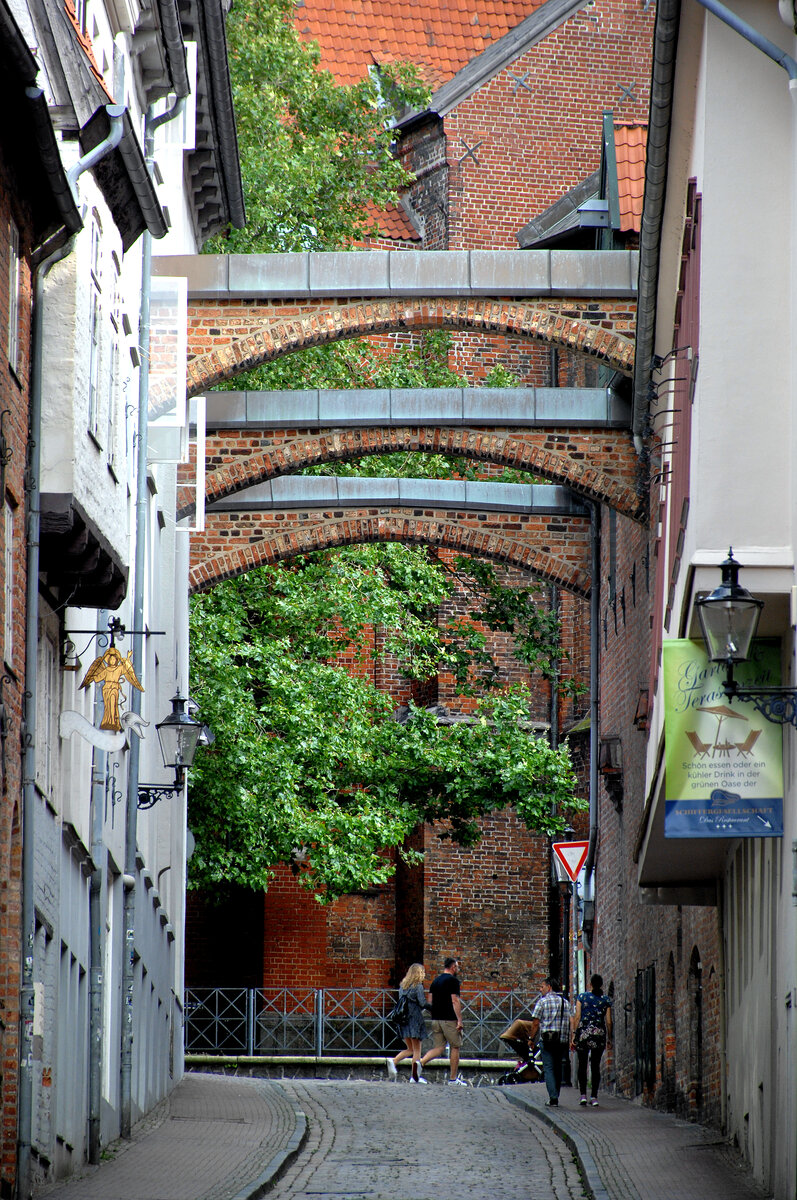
[[152, 123], [594, 690], [752, 36], [665, 45], [99, 761], [32, 533]]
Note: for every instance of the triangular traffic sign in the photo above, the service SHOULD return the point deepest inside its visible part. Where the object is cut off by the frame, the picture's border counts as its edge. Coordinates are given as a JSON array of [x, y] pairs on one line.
[[571, 855]]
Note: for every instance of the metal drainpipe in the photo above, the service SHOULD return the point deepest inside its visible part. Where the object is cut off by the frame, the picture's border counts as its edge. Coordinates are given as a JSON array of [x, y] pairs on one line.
[[152, 123], [99, 761], [594, 658], [753, 36], [33, 528]]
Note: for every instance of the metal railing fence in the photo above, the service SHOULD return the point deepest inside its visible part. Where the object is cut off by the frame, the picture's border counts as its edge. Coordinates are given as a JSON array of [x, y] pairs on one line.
[[328, 1021]]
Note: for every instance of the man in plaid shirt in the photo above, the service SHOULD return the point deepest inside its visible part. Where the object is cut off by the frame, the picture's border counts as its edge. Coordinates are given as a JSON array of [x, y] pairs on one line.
[[552, 1011]]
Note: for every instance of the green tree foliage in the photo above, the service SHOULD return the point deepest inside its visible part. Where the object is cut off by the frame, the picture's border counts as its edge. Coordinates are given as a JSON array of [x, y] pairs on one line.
[[316, 159], [310, 765]]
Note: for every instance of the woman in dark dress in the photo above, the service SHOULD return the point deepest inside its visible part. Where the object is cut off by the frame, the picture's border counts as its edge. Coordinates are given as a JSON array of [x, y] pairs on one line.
[[414, 1031]]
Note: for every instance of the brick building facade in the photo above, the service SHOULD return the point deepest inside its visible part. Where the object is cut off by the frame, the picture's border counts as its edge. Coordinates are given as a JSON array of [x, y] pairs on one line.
[[512, 125]]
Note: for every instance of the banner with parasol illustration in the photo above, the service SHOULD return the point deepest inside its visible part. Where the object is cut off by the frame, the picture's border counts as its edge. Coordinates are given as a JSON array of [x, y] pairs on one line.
[[724, 761]]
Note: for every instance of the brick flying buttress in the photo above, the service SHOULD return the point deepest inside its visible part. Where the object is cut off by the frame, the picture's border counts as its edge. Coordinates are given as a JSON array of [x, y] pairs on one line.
[[244, 336]]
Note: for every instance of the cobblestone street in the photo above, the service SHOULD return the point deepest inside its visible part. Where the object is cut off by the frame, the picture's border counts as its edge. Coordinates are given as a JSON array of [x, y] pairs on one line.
[[423, 1143]]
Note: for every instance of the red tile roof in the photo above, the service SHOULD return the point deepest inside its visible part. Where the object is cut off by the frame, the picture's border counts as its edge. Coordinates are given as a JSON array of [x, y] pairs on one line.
[[438, 36], [630, 142], [85, 43], [395, 224]]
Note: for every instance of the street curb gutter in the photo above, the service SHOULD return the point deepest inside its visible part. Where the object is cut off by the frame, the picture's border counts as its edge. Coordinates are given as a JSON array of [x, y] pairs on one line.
[[592, 1180], [259, 1186]]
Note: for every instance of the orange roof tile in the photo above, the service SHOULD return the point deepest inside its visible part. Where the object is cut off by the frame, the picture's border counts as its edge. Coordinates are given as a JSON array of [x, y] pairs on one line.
[[630, 143], [85, 42], [394, 223], [438, 36]]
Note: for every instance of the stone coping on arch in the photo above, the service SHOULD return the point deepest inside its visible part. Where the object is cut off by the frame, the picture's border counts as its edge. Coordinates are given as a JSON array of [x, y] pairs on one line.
[[321, 408], [380, 273], [331, 492]]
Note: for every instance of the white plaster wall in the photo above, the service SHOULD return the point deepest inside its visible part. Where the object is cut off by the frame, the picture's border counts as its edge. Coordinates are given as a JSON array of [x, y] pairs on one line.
[[734, 130]]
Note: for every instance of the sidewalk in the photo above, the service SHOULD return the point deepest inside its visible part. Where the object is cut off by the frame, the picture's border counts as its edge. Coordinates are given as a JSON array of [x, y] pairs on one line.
[[214, 1138], [627, 1152]]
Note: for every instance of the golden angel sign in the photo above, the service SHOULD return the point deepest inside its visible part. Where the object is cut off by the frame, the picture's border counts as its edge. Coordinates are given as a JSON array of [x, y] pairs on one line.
[[109, 670]]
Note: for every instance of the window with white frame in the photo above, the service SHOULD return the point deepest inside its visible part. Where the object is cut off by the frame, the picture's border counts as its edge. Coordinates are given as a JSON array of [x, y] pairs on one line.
[[8, 557], [95, 327], [47, 709], [14, 274], [114, 382]]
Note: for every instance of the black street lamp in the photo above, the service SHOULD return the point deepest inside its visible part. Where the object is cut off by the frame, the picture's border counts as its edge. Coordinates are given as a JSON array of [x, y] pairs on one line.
[[178, 734], [728, 620]]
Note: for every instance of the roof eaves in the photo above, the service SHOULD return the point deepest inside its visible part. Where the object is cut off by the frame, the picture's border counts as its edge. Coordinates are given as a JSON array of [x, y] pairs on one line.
[[562, 216], [495, 58], [175, 46], [124, 180], [221, 113]]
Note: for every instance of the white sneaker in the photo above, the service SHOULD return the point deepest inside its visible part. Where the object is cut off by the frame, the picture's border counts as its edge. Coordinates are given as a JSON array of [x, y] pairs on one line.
[[418, 1080], [459, 1080], [392, 1070]]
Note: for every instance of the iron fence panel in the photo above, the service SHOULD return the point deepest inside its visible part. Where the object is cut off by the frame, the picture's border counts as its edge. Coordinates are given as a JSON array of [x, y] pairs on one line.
[[216, 1020], [287, 1022], [328, 1021]]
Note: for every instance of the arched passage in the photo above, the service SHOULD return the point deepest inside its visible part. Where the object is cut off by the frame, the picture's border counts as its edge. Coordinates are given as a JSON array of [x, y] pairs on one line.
[[571, 575], [568, 327], [583, 475]]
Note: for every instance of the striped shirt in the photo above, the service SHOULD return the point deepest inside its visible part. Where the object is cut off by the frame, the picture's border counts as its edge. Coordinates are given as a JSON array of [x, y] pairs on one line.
[[553, 1013]]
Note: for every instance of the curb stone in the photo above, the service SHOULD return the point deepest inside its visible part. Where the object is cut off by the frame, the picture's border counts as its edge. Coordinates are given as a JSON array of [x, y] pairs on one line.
[[592, 1180], [258, 1187]]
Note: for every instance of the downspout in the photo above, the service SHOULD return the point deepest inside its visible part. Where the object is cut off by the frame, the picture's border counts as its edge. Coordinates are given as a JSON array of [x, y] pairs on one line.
[[656, 159], [752, 36], [33, 527], [152, 123], [99, 761], [594, 691]]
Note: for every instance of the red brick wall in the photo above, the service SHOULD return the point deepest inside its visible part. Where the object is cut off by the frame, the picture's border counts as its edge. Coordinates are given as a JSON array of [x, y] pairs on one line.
[[14, 401], [630, 936]]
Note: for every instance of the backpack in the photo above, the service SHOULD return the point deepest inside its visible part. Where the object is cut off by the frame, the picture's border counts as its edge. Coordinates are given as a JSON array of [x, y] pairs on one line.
[[400, 1014]]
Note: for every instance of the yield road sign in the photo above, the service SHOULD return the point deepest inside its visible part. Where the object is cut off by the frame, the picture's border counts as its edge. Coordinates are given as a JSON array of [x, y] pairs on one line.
[[572, 856]]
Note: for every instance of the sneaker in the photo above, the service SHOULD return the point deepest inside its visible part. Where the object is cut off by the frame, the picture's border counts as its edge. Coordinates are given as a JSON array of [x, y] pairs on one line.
[[418, 1080], [551, 1103], [459, 1080], [594, 1102], [583, 1101], [392, 1070]]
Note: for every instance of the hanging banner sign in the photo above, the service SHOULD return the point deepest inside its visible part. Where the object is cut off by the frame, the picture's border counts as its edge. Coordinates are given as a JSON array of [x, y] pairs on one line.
[[723, 760], [571, 855]]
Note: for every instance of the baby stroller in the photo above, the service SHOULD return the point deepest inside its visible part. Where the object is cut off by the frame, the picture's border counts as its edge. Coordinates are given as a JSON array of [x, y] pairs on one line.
[[529, 1065]]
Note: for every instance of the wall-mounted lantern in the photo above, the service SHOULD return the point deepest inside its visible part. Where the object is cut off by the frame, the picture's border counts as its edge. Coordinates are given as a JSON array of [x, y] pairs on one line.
[[610, 768], [179, 735], [728, 620]]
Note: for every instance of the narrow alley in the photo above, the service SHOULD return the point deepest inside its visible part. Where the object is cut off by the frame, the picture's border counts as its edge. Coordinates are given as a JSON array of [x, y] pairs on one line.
[[225, 1138]]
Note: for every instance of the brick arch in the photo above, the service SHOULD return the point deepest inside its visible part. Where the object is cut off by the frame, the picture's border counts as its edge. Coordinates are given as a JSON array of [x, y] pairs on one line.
[[540, 322], [418, 531], [507, 450]]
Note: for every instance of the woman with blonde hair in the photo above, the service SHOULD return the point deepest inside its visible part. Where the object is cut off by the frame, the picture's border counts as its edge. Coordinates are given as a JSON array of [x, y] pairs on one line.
[[414, 1031]]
